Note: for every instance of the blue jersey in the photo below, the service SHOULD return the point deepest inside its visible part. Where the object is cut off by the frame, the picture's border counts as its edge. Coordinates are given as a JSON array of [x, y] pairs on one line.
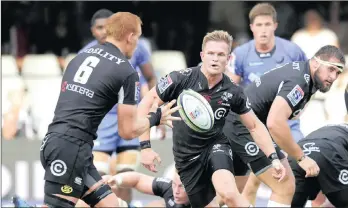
[[108, 137], [249, 64]]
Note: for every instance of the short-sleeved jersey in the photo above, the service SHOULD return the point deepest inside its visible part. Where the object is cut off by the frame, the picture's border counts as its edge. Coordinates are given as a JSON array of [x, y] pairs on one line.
[[94, 81], [346, 97], [223, 97], [336, 133], [249, 64], [162, 187], [291, 81]]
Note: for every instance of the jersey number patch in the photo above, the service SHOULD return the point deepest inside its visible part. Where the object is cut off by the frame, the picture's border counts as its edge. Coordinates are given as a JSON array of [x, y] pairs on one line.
[[85, 69]]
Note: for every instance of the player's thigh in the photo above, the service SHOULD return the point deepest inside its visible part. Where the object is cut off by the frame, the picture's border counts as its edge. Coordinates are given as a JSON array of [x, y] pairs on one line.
[[339, 198], [127, 156], [196, 180], [220, 166], [65, 160], [266, 177], [97, 194]]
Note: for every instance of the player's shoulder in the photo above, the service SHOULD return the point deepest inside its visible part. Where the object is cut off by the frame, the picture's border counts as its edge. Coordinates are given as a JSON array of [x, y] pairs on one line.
[[243, 49], [231, 85], [187, 73], [288, 45]]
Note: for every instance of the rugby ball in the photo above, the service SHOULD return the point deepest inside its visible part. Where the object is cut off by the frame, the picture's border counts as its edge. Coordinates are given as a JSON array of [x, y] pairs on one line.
[[195, 111]]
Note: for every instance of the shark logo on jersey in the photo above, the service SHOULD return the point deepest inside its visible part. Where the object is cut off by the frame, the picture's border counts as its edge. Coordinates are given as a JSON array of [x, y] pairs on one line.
[[295, 95]]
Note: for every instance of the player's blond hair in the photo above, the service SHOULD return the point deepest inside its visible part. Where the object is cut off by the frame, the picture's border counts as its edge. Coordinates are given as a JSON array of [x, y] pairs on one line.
[[121, 24], [218, 35], [264, 9]]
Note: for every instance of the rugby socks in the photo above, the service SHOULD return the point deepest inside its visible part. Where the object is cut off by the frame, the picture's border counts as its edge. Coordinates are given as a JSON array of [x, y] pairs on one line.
[[276, 204]]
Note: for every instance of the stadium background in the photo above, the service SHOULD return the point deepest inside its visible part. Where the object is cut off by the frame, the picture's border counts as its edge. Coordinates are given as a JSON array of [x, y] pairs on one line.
[[39, 38]]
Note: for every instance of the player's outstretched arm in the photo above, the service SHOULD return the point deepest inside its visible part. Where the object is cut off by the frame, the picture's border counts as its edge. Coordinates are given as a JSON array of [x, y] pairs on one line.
[[262, 138], [278, 127], [277, 124], [139, 181]]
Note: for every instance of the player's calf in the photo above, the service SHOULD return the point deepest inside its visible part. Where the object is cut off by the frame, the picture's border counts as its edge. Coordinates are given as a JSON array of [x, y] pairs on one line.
[[250, 189]]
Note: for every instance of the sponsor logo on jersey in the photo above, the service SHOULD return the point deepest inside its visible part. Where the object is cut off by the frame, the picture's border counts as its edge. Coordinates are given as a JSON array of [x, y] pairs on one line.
[[310, 147], [66, 189], [76, 88], [220, 113], [255, 63], [164, 83], [137, 91], [296, 65], [306, 78], [165, 180], [295, 95]]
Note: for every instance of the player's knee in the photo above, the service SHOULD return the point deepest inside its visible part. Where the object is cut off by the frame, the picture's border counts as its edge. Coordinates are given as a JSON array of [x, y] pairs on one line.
[[288, 191], [103, 168], [228, 196], [127, 161], [97, 195]]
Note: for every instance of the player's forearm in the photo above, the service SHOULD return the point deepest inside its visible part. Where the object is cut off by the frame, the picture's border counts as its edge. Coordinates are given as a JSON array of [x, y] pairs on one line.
[[143, 111], [141, 126], [281, 134], [127, 179], [262, 138]]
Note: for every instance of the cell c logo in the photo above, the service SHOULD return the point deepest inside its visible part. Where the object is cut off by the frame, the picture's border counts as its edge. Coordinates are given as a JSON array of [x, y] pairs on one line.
[[220, 113], [58, 168]]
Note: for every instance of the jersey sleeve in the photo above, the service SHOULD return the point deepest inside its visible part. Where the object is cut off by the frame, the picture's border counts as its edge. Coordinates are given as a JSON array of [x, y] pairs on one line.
[[235, 64], [168, 87], [130, 90], [292, 92], [160, 186], [144, 55], [240, 102]]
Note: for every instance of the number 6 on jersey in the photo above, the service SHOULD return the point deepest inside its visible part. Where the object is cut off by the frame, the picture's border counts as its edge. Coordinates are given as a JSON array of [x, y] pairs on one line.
[[85, 70]]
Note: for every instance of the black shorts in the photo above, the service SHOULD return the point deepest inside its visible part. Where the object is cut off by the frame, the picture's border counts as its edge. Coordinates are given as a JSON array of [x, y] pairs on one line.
[[332, 160], [196, 173], [68, 164], [244, 146]]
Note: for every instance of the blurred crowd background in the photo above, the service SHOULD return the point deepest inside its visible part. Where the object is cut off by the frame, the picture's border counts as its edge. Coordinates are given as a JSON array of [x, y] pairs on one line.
[[38, 39]]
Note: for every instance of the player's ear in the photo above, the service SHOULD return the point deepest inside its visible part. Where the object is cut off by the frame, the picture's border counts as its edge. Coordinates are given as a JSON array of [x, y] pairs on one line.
[[251, 27], [202, 55], [130, 37], [275, 26]]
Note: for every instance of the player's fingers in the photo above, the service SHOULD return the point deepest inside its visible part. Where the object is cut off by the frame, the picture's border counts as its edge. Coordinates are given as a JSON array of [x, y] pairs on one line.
[[158, 159], [172, 110], [169, 124], [174, 118], [169, 105], [153, 168]]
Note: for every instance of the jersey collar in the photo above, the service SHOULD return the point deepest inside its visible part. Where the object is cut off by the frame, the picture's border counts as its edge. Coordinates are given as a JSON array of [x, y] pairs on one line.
[[110, 45], [267, 54]]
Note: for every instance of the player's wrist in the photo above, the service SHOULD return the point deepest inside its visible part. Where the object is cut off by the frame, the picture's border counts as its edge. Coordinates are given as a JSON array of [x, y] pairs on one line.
[[301, 158], [273, 156], [145, 144], [155, 117]]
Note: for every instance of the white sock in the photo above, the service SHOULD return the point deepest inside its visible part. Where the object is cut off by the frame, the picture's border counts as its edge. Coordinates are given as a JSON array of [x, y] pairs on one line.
[[308, 204], [276, 204]]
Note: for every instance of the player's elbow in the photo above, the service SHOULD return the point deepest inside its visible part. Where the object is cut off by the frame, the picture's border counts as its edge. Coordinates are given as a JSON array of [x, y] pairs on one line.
[[127, 133]]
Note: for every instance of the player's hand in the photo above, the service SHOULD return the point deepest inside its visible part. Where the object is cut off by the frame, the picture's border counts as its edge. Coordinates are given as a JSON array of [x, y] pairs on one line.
[[148, 159], [279, 172], [167, 112], [310, 166], [111, 181]]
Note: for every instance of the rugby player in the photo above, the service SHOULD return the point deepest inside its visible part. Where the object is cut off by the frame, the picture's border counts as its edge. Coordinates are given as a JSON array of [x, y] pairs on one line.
[[171, 191], [278, 95], [328, 146], [94, 81], [204, 160], [111, 152], [252, 59]]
